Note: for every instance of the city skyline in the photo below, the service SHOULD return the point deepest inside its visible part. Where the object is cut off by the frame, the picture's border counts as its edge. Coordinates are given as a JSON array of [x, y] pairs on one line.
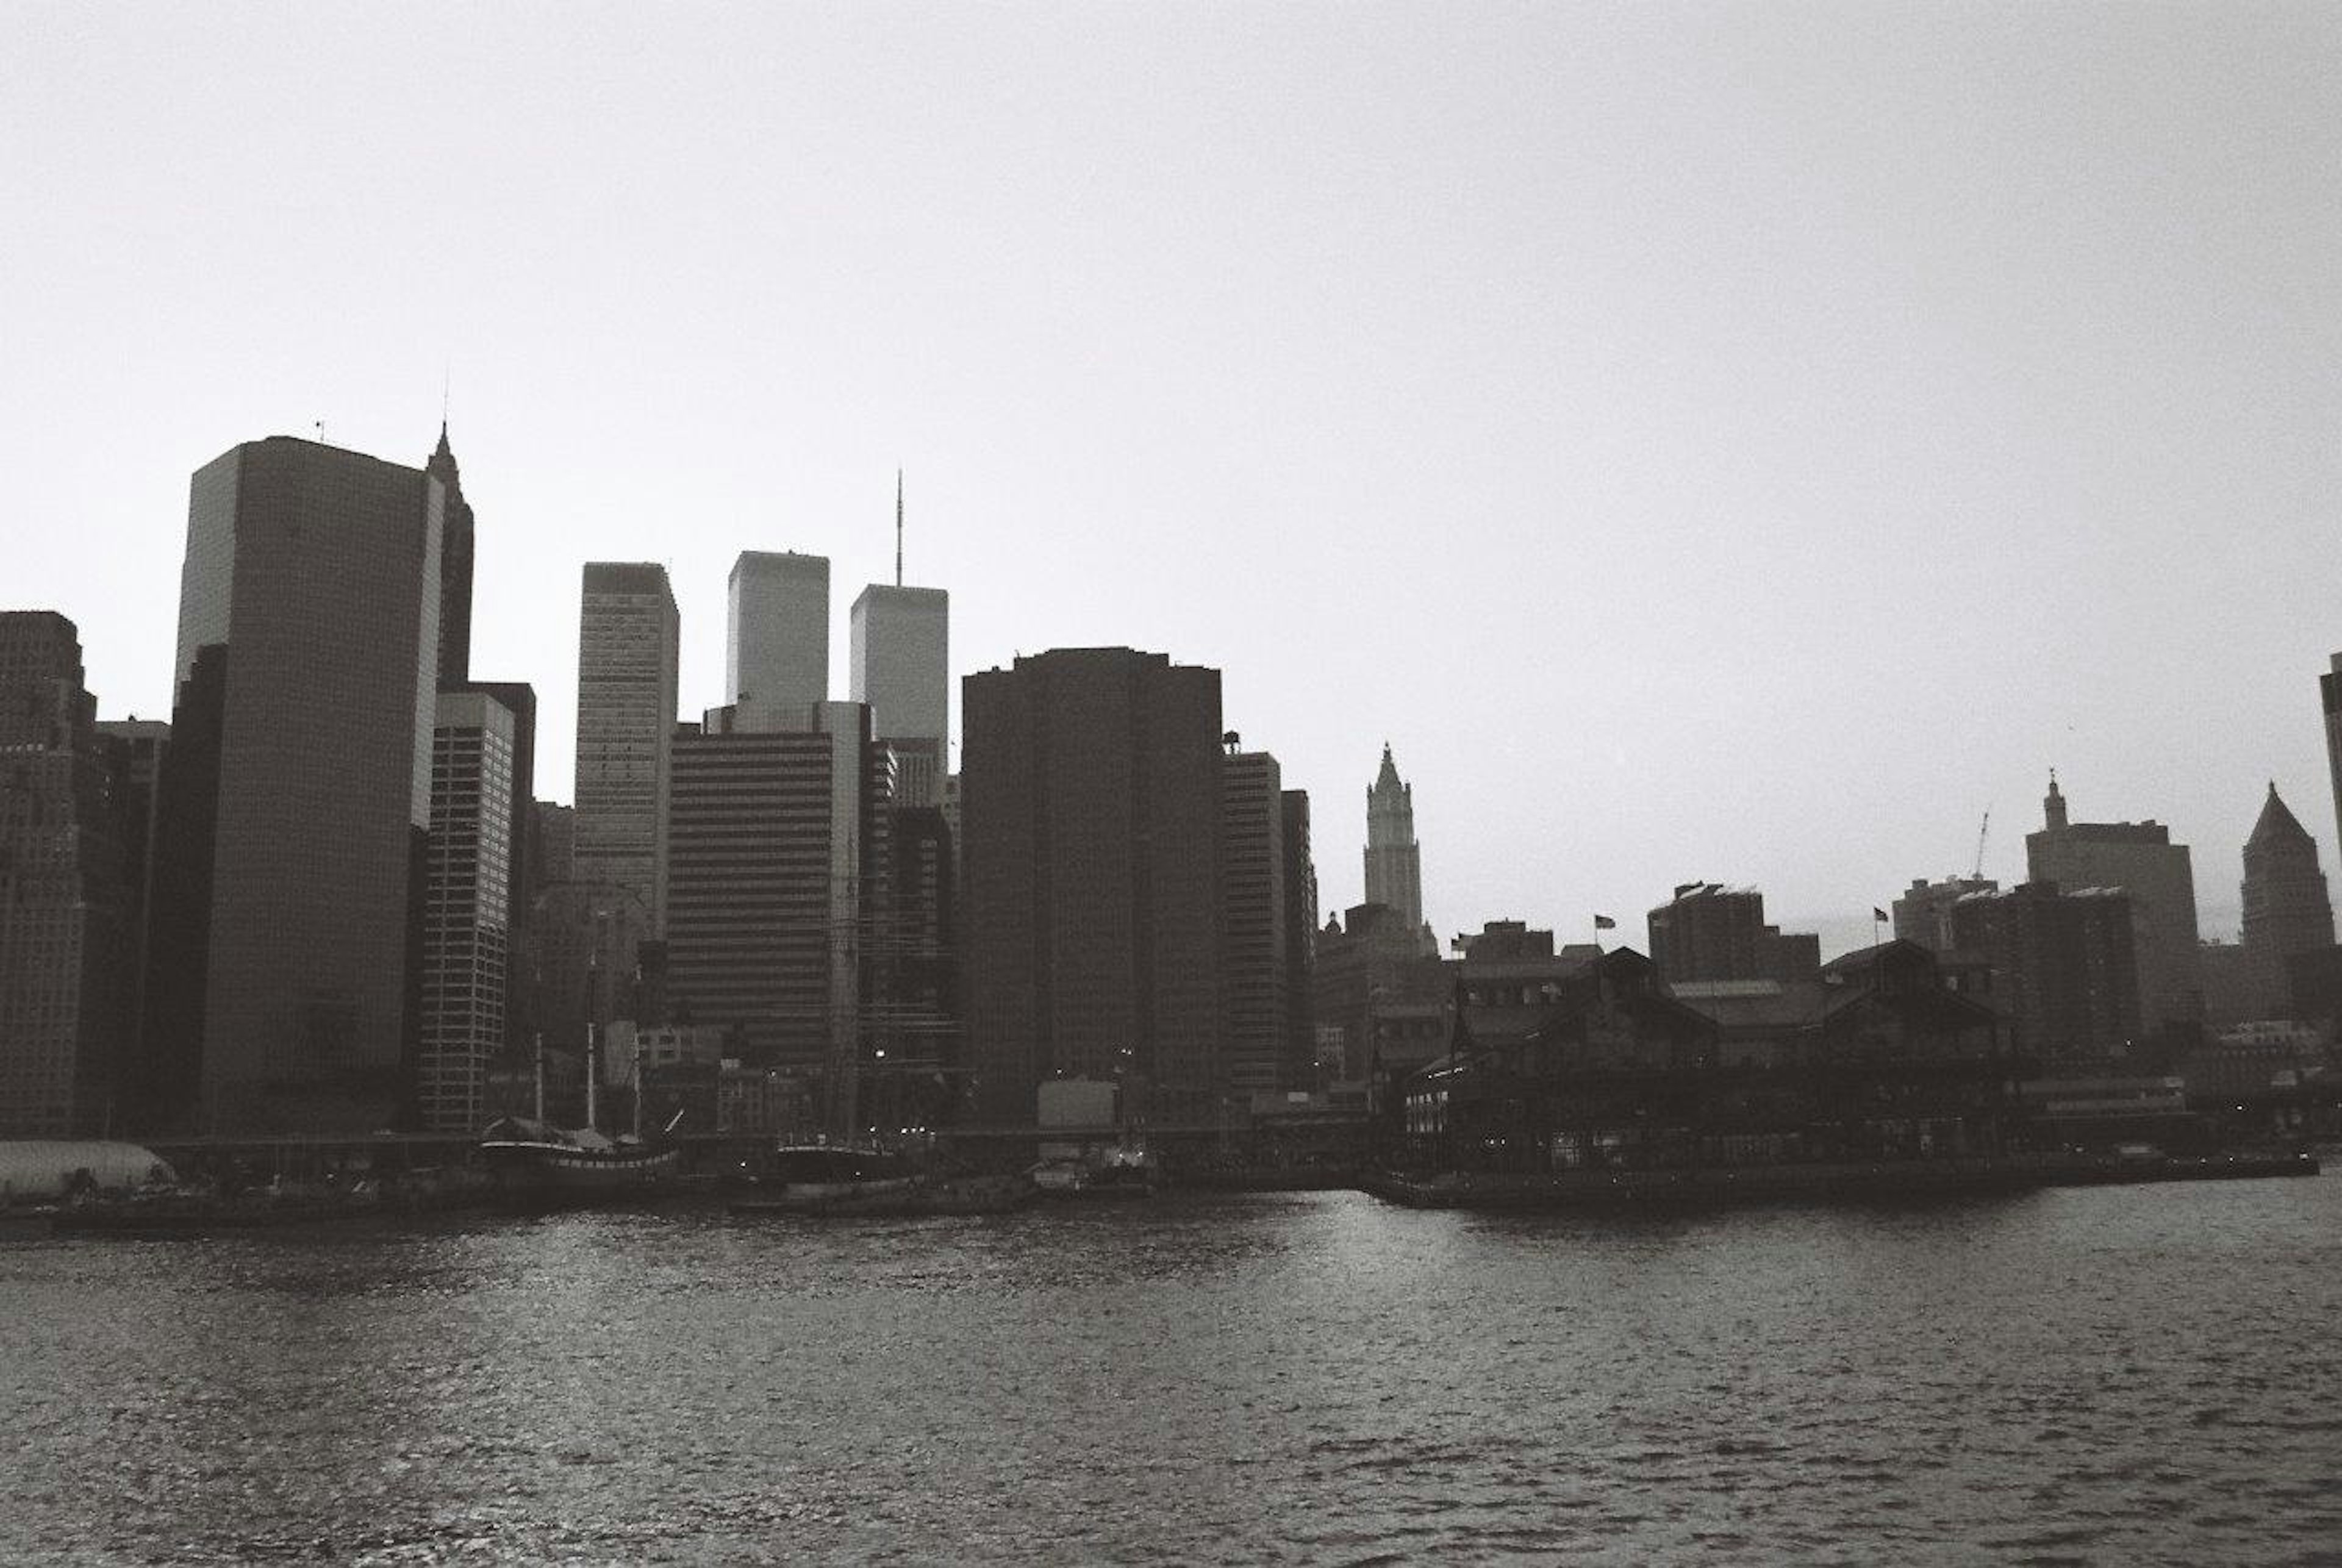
[[1963, 429]]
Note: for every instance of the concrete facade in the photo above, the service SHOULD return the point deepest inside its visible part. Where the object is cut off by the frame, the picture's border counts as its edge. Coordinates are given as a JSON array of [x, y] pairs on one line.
[[627, 645], [777, 639], [900, 641]]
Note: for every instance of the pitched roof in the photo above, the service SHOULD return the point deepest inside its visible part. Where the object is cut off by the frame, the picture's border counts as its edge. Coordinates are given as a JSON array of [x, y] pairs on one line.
[[2276, 825]]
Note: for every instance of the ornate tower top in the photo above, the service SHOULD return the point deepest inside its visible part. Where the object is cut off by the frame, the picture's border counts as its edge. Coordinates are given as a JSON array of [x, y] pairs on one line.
[[2053, 806]]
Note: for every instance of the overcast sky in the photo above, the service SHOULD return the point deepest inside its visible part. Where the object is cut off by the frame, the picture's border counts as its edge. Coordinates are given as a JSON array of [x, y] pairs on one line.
[[1725, 441]]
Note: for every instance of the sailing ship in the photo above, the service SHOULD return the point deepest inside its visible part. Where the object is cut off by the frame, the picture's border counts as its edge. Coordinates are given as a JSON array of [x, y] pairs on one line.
[[534, 1162]]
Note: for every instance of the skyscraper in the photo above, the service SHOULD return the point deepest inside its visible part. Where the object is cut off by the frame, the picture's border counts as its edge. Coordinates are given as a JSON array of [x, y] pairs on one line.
[[468, 922], [1254, 974], [2139, 858], [66, 938], [455, 568], [2064, 979], [308, 667], [1300, 916], [2286, 910], [1090, 807], [1394, 860], [2330, 691], [901, 649], [776, 646], [901, 640], [626, 651]]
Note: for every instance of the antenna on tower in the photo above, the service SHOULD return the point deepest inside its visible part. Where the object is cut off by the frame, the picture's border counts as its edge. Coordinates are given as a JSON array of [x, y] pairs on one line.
[[898, 527]]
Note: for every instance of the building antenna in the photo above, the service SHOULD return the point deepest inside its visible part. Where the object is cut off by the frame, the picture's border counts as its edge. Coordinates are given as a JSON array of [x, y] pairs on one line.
[[898, 527], [446, 384]]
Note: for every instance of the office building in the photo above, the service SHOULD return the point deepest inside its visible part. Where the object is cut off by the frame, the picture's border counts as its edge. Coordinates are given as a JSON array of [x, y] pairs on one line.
[[66, 941], [2064, 975], [296, 793], [1090, 810], [901, 647], [456, 552], [1709, 932], [2139, 858], [2286, 910], [1255, 976], [135, 749], [626, 653], [1300, 917], [2330, 691], [776, 643], [1394, 859], [777, 849], [1923, 915], [467, 912]]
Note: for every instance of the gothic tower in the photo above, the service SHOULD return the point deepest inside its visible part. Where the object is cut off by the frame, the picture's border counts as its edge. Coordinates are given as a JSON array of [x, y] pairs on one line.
[[2286, 907], [1394, 860]]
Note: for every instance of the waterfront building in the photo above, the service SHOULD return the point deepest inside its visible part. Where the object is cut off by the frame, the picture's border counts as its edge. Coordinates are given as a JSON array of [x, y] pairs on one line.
[[467, 914], [900, 641], [1090, 811], [2139, 858], [1710, 932], [1254, 971], [778, 843], [1873, 1058], [1300, 939], [1924, 913], [295, 797], [2063, 970], [776, 645], [66, 937], [1394, 858], [627, 640], [1508, 973], [2286, 907], [918, 1066]]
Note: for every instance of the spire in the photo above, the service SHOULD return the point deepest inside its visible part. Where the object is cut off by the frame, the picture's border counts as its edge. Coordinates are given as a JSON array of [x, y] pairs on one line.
[[2277, 824], [2053, 806], [898, 527]]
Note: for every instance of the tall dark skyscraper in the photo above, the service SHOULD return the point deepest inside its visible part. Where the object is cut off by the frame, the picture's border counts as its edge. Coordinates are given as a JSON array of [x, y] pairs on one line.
[[627, 645], [1254, 974], [308, 668], [2286, 910], [1300, 942], [1394, 859], [455, 568], [1090, 810], [2330, 691], [66, 938], [467, 923]]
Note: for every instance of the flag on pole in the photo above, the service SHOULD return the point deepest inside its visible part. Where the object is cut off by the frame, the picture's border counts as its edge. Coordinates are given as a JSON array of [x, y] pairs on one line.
[[1604, 922], [1877, 915]]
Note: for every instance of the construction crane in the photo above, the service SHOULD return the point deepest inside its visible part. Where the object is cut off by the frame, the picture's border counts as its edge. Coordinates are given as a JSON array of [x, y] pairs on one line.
[[1977, 874]]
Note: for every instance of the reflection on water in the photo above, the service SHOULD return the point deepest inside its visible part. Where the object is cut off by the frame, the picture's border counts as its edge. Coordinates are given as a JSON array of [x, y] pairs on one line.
[[2150, 1373]]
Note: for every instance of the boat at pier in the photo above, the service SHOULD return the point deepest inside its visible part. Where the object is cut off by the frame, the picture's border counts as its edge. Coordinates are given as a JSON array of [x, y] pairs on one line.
[[536, 1162]]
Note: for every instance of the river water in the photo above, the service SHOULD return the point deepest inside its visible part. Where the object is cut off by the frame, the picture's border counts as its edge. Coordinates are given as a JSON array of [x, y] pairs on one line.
[[2097, 1376]]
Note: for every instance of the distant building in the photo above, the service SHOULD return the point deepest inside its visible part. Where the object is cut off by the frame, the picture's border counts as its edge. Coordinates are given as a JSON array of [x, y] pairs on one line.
[[468, 922], [554, 857], [295, 797], [2286, 907], [586, 956], [900, 641], [777, 650], [1090, 816], [1394, 859], [1367, 962], [1710, 932], [914, 1009], [2064, 971], [1509, 974], [1923, 915], [2139, 858], [135, 749], [66, 938], [626, 661], [2230, 992]]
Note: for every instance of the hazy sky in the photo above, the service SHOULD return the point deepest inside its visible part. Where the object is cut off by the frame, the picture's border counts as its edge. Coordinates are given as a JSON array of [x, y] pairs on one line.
[[1728, 441]]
